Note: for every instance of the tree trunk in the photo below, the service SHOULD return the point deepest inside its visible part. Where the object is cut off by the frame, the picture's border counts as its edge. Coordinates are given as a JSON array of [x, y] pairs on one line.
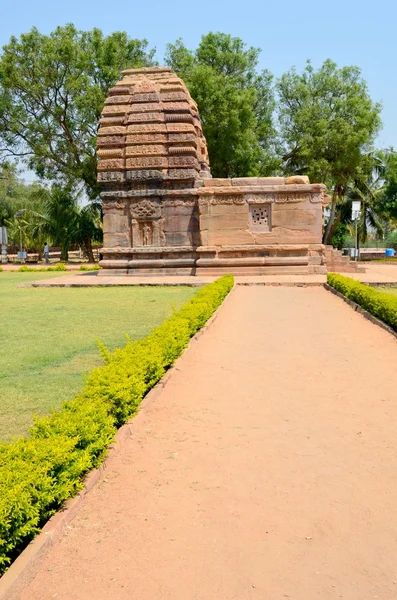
[[65, 252], [328, 229], [87, 249]]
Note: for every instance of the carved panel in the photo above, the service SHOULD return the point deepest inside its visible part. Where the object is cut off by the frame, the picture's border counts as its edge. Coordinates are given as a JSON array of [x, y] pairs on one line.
[[150, 97], [180, 128], [145, 210], [147, 233], [146, 138], [182, 174], [183, 161], [180, 202], [148, 128], [144, 87], [144, 107], [260, 199], [110, 152], [111, 130], [114, 109], [111, 164], [120, 99], [227, 199], [109, 205], [147, 150], [318, 197], [149, 162], [147, 117], [293, 197], [110, 176], [260, 217], [172, 96], [110, 140]]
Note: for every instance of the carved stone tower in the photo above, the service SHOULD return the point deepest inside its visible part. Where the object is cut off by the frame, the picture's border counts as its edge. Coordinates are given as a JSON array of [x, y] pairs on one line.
[[162, 211]]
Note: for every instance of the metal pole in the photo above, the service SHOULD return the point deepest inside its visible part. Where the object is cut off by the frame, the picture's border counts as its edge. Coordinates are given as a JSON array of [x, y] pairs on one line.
[[356, 239], [20, 240]]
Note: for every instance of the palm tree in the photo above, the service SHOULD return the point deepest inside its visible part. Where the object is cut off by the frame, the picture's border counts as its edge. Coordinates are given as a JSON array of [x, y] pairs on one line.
[[66, 223], [88, 228], [59, 219], [369, 187]]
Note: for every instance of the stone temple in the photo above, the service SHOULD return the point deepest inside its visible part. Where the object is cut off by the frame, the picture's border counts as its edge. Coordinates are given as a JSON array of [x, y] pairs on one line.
[[163, 213]]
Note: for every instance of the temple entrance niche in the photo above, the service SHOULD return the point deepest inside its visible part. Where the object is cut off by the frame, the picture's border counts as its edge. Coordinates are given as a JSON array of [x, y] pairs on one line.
[[146, 223]]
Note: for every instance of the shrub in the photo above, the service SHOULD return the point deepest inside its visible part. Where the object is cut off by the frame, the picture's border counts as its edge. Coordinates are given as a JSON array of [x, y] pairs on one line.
[[38, 473], [93, 268], [58, 267], [1, 268], [391, 240], [380, 304]]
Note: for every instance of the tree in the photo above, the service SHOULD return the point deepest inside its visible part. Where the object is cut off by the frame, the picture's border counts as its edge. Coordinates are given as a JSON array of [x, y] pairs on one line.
[[387, 202], [88, 228], [52, 91], [369, 188], [235, 102], [15, 194], [65, 223], [327, 123]]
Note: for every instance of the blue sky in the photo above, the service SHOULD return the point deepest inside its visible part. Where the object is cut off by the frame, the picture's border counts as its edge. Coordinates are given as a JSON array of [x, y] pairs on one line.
[[289, 32]]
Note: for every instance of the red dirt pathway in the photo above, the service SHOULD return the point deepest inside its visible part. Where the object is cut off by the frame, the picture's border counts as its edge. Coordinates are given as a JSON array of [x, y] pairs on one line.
[[265, 470]]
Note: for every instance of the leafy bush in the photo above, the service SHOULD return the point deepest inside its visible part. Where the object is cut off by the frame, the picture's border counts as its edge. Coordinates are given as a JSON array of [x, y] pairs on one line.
[[380, 304], [58, 267], [340, 237], [93, 268], [1, 268], [38, 473], [391, 240]]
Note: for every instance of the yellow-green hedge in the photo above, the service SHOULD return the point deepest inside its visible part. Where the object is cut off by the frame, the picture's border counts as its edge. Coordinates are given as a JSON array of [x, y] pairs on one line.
[[38, 473], [380, 304]]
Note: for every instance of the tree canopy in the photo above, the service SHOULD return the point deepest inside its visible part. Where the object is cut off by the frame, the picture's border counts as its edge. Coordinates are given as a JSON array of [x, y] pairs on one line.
[[328, 122], [235, 102], [52, 91]]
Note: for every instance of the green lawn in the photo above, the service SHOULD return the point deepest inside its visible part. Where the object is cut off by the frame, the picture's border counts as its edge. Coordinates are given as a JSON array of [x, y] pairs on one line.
[[48, 338]]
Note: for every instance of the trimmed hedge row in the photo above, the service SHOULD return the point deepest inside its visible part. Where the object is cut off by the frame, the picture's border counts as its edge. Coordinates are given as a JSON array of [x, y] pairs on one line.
[[27, 269], [38, 473], [380, 304], [93, 268]]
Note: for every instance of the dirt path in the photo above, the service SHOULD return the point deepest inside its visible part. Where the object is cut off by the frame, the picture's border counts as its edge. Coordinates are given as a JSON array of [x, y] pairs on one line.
[[266, 470]]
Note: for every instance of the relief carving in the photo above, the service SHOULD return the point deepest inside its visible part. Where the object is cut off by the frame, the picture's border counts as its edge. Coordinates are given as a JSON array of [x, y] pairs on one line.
[[147, 233], [262, 199], [110, 176], [113, 205], [293, 197], [318, 197], [227, 200], [145, 210], [180, 202]]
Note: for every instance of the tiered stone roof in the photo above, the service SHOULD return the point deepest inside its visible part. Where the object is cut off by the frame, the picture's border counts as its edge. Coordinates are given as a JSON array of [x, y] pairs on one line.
[[150, 129]]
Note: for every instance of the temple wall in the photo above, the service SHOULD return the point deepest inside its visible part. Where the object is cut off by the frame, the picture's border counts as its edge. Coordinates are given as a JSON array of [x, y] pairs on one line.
[[294, 214]]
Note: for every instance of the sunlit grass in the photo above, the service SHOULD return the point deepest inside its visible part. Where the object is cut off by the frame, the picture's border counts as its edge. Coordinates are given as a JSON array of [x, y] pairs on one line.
[[48, 338]]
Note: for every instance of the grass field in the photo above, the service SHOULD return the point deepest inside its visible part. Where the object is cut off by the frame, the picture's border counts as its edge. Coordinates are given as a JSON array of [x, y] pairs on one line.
[[48, 338]]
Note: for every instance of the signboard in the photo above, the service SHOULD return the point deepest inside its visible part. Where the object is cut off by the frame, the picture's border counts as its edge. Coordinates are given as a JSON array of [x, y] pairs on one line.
[[356, 208], [22, 254], [3, 236]]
